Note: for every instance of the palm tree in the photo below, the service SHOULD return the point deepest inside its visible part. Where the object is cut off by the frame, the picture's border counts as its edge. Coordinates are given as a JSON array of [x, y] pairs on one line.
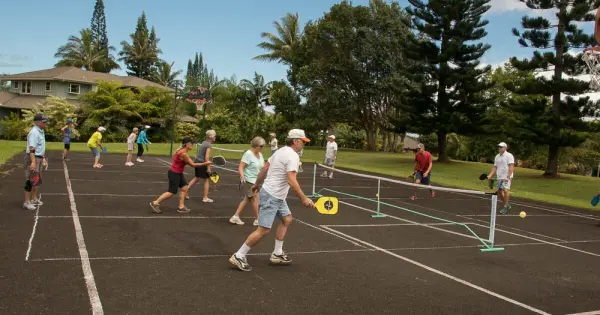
[[141, 55], [282, 45], [82, 52], [166, 76], [256, 92]]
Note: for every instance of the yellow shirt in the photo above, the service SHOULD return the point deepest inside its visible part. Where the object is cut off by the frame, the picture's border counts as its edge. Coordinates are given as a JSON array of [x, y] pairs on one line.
[[93, 142]]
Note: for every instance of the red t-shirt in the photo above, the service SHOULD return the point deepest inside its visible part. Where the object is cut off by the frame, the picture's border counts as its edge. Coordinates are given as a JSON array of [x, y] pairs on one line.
[[423, 160], [178, 163]]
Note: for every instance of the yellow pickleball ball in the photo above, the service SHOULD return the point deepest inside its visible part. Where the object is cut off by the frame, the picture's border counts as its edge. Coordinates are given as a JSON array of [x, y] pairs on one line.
[[377, 195], [522, 214]]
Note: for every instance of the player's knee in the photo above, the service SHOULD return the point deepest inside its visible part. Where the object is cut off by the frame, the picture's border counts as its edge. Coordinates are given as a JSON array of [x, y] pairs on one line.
[[184, 188]]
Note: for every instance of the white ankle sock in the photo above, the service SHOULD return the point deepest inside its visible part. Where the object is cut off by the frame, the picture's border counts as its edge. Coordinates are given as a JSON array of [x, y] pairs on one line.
[[278, 247], [243, 251]]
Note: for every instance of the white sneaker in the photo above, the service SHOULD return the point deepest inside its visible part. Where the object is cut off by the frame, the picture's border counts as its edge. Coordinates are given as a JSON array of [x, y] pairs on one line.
[[29, 206], [236, 220], [36, 202], [140, 160], [255, 223], [207, 200]]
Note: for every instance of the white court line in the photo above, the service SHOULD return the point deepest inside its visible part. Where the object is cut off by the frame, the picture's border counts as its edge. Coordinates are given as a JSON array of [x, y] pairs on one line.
[[409, 221], [37, 212], [587, 313], [88, 275], [386, 224], [516, 215], [364, 249], [135, 217], [539, 240], [323, 230], [441, 273]]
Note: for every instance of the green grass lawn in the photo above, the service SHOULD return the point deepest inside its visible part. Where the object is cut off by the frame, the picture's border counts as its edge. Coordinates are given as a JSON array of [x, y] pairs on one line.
[[568, 190]]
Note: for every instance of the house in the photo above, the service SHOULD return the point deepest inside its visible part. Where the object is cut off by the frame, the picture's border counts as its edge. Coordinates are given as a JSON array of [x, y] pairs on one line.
[[410, 143], [29, 88]]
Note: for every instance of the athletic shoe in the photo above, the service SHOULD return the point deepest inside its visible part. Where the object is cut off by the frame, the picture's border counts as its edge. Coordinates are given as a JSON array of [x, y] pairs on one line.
[[207, 200], [36, 202], [432, 194], [155, 207], [505, 210], [240, 263], [29, 206], [282, 259], [413, 197], [255, 223], [184, 210], [236, 220]]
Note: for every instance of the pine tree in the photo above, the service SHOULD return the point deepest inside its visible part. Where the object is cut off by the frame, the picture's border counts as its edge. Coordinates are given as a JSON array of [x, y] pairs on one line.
[[100, 39], [446, 66], [553, 121], [141, 56]]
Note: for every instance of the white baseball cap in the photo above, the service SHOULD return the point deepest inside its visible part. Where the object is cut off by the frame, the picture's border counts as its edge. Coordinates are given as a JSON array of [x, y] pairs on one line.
[[332, 137], [298, 134], [101, 128], [147, 127], [502, 144]]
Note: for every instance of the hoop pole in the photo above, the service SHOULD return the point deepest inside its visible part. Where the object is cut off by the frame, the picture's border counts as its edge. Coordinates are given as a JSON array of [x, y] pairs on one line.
[[378, 215], [314, 193]]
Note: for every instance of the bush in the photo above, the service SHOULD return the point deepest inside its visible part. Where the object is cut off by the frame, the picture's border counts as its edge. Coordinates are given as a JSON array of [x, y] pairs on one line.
[[183, 129], [13, 127]]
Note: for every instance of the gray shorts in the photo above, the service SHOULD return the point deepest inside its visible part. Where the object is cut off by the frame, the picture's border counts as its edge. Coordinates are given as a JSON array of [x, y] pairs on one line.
[[269, 208], [329, 162], [501, 185], [95, 151], [129, 146], [248, 191]]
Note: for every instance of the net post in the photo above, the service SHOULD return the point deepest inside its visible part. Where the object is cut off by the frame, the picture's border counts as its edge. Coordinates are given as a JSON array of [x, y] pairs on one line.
[[314, 193], [378, 215], [494, 207]]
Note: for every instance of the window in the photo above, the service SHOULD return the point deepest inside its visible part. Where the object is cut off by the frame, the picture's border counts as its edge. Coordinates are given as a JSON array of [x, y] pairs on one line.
[[48, 86], [26, 87], [15, 84], [74, 88]]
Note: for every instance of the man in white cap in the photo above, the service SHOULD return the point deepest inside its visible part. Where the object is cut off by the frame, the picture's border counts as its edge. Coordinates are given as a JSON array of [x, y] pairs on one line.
[[94, 144], [330, 155], [35, 158], [504, 166], [280, 172]]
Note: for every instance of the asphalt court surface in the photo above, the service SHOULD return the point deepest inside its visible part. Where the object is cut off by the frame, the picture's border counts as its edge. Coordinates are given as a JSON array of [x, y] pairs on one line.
[[127, 259]]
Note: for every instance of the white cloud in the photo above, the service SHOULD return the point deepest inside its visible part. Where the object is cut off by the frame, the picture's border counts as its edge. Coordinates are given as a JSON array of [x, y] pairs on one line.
[[499, 6]]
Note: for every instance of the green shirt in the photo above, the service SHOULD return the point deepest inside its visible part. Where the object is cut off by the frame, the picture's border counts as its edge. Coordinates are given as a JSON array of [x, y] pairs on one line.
[[253, 167]]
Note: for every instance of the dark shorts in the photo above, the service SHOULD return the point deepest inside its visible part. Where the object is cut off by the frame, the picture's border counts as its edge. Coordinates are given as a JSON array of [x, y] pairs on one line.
[[424, 180], [201, 171], [176, 181], [67, 146]]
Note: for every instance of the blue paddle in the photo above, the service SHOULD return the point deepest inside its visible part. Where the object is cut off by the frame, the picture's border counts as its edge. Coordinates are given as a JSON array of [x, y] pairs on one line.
[[595, 200]]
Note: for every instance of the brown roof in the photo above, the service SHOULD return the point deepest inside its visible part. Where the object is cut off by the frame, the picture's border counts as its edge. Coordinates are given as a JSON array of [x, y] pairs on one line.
[[25, 101], [410, 143], [73, 74], [189, 119]]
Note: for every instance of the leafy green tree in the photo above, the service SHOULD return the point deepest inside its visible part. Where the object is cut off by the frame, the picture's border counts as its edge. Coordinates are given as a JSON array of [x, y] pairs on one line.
[[353, 65], [4, 85], [83, 52], [12, 127], [58, 110], [166, 76], [447, 66], [556, 122], [141, 56]]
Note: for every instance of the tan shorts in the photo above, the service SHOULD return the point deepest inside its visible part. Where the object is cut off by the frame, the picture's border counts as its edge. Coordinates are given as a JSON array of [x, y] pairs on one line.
[[248, 191], [129, 146]]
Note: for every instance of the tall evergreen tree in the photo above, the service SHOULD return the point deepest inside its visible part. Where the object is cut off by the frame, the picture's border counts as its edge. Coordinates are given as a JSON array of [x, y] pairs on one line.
[[141, 56], [99, 35], [555, 122], [446, 65]]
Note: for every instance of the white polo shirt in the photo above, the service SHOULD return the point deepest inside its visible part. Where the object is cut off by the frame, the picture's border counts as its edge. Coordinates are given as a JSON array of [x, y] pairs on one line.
[[501, 162], [284, 160], [331, 149]]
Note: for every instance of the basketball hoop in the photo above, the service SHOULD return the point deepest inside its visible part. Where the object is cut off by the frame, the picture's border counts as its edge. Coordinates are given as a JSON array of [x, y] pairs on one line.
[[592, 59], [198, 97]]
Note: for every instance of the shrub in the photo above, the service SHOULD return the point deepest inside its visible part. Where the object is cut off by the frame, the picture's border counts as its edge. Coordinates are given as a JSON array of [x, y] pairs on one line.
[[183, 129], [12, 127]]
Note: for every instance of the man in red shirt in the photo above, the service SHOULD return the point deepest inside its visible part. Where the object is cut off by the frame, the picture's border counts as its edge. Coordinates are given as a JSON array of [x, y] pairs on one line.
[[423, 164]]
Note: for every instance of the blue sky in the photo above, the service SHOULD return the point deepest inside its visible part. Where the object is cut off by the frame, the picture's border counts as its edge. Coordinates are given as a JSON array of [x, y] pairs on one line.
[[226, 32]]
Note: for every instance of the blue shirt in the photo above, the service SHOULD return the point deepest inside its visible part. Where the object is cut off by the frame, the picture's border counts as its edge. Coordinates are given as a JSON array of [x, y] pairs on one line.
[[36, 141], [67, 136], [142, 138]]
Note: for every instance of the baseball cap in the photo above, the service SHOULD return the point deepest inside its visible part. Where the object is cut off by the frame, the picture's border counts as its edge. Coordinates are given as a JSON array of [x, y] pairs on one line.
[[187, 140], [332, 137], [502, 144], [69, 120], [420, 146], [298, 134], [40, 117], [101, 128]]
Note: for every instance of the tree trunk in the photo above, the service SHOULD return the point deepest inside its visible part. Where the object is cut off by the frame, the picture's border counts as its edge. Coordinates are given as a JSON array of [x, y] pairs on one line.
[[384, 142], [552, 168], [371, 139], [442, 143], [395, 143]]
